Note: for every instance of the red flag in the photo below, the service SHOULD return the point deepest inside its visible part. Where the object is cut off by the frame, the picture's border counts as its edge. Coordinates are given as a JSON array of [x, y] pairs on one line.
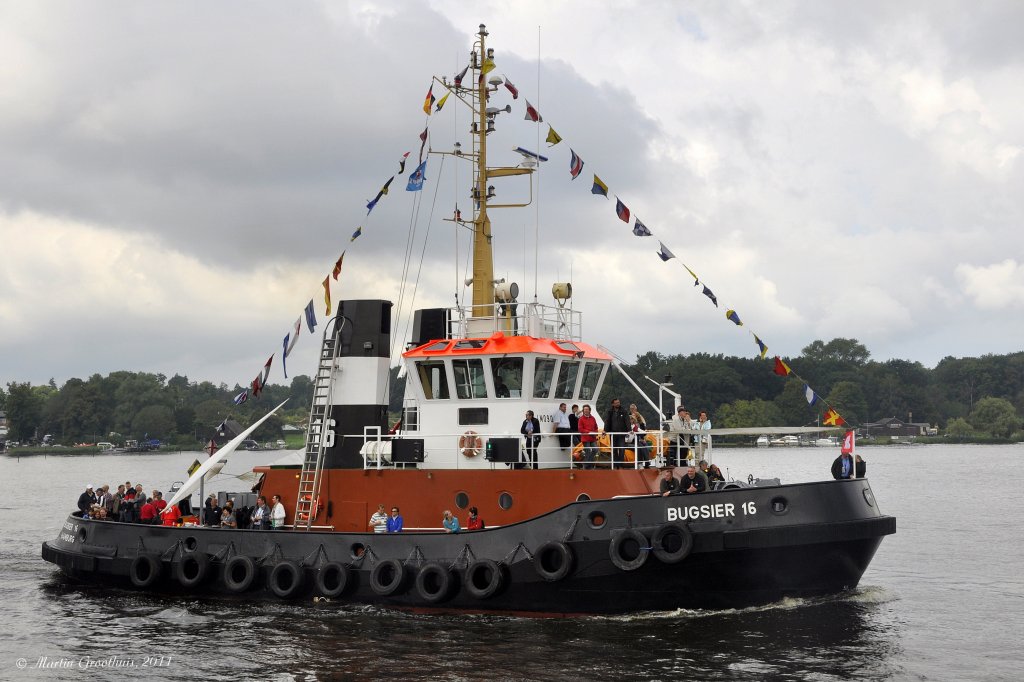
[[849, 441], [257, 386], [429, 101], [327, 293], [531, 113], [460, 76], [511, 88], [781, 368], [621, 210], [337, 271], [832, 418], [266, 371]]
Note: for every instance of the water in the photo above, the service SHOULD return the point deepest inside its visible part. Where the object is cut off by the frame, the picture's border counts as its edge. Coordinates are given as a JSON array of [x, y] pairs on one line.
[[943, 599]]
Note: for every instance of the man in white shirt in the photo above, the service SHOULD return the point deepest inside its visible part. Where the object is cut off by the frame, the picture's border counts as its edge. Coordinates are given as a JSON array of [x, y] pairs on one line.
[[679, 422], [277, 514], [703, 441], [562, 426], [379, 520]]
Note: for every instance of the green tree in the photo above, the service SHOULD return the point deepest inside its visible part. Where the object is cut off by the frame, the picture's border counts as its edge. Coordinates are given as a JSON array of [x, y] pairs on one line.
[[793, 405], [153, 421], [208, 414], [958, 428], [996, 417], [848, 400], [848, 351], [741, 413], [24, 411]]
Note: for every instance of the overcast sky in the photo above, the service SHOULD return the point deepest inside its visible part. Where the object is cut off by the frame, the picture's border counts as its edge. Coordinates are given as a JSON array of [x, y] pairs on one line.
[[176, 179]]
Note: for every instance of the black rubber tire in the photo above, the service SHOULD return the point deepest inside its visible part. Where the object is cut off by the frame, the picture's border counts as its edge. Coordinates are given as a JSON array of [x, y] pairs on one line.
[[332, 579], [286, 579], [629, 549], [191, 569], [387, 577], [672, 543], [239, 583], [434, 582], [484, 578], [144, 571], [553, 561]]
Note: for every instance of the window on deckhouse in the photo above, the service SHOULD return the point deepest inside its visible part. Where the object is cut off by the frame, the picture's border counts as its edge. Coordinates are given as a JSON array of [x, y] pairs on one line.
[[591, 375], [567, 373], [433, 378], [507, 374], [543, 373], [469, 378]]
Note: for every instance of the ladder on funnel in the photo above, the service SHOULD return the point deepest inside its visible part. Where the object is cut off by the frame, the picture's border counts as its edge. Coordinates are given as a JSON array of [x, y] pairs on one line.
[[320, 435]]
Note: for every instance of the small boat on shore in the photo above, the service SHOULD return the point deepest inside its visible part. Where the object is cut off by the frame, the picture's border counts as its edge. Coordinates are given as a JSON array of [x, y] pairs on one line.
[[562, 535]]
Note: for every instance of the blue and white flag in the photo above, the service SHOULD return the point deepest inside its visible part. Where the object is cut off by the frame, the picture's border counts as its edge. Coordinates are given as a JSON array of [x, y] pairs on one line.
[[811, 396], [663, 253], [417, 178], [310, 316], [640, 230], [242, 397], [289, 343]]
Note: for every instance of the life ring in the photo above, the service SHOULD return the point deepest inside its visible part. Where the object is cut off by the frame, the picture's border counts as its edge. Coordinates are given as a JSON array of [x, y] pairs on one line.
[[144, 571], [553, 561], [629, 549], [470, 444], [434, 582], [387, 577], [332, 579], [484, 578], [286, 579], [191, 570], [239, 573], [672, 543]]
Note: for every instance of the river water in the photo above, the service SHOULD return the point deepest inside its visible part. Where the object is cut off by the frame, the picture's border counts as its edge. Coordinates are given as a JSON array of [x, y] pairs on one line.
[[943, 599]]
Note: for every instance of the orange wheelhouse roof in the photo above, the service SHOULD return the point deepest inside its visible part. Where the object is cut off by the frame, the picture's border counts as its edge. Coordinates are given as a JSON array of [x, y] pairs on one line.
[[499, 344]]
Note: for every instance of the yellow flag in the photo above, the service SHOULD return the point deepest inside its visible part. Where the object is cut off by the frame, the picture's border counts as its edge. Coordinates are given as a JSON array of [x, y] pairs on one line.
[[440, 102], [488, 66], [327, 293], [553, 138]]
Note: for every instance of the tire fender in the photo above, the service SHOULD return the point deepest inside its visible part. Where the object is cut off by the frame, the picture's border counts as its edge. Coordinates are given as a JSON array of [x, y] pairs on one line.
[[621, 549], [672, 542], [553, 561]]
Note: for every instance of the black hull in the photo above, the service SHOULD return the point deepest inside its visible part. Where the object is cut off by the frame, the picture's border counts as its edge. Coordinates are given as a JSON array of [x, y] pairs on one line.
[[818, 542]]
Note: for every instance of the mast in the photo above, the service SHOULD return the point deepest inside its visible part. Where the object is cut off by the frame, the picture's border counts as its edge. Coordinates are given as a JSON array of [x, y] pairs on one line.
[[483, 255]]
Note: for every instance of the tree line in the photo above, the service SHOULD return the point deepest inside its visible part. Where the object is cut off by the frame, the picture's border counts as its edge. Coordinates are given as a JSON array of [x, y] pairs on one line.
[[962, 396]]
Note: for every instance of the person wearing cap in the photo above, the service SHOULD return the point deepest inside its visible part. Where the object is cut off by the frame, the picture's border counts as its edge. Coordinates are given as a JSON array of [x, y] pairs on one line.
[[86, 499]]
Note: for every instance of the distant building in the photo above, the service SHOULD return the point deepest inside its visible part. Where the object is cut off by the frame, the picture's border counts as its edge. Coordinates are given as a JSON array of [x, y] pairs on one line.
[[225, 431], [3, 424], [896, 428]]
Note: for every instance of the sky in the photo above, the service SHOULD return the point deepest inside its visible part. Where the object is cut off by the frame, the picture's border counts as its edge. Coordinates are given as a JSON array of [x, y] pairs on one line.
[[176, 179]]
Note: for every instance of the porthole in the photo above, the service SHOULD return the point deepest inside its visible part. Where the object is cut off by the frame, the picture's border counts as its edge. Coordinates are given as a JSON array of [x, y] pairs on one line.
[[358, 550], [505, 501], [583, 497], [191, 543], [461, 500], [780, 505], [596, 519]]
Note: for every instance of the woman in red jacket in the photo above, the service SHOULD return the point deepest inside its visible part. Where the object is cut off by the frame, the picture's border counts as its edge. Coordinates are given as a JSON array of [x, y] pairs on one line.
[[588, 431]]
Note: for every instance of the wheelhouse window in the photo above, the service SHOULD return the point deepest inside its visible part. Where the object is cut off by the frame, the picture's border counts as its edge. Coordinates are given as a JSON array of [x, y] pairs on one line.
[[543, 373], [434, 379], [507, 374], [591, 375], [469, 378], [567, 374]]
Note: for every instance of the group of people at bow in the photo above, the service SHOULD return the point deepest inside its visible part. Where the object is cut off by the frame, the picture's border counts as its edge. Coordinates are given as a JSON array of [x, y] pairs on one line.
[[129, 504], [626, 430]]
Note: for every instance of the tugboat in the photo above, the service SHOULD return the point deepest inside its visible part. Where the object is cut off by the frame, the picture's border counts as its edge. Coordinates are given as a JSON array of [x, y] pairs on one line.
[[560, 538]]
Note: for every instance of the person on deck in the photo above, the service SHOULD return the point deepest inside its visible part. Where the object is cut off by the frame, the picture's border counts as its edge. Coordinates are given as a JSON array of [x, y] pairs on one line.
[[843, 467], [474, 522], [574, 425], [86, 499], [148, 513], [563, 427], [715, 475], [703, 441], [588, 431], [691, 482], [277, 513], [211, 511], [681, 421], [637, 439], [158, 501], [395, 522], [860, 466], [171, 516], [531, 431], [616, 423], [668, 483], [227, 518], [450, 522], [260, 519], [379, 520]]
